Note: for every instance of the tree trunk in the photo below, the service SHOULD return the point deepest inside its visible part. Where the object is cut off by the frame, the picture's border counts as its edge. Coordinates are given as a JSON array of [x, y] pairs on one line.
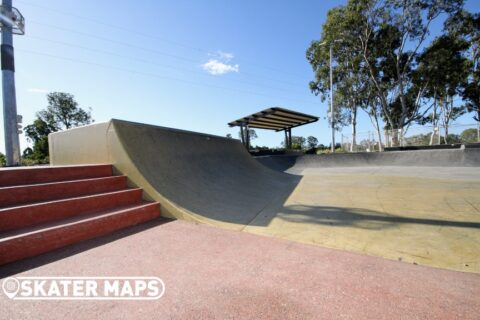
[[478, 131], [379, 134], [380, 93], [353, 146], [446, 119], [434, 118], [376, 125], [395, 138], [403, 102]]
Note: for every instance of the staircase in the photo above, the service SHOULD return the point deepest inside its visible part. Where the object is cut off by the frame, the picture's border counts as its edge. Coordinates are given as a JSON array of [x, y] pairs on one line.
[[45, 208]]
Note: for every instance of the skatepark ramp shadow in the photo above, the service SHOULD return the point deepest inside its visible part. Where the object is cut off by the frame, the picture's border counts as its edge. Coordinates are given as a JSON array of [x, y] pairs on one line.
[[359, 218], [194, 176]]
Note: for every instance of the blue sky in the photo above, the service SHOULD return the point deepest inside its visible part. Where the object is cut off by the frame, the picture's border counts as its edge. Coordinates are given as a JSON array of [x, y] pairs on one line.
[[152, 61]]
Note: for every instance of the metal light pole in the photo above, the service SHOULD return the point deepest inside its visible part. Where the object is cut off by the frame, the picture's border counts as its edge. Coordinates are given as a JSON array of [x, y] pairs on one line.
[[11, 22], [332, 114], [332, 118]]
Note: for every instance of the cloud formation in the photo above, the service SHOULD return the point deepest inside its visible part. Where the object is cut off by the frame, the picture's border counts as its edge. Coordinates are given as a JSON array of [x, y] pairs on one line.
[[216, 67], [219, 63]]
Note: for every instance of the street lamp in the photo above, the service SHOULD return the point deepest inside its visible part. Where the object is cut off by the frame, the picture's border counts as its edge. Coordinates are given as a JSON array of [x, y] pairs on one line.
[[11, 22], [332, 117]]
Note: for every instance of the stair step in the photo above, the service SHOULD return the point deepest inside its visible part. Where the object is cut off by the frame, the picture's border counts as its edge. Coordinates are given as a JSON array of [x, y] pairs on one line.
[[17, 195], [45, 174], [33, 214], [30, 242]]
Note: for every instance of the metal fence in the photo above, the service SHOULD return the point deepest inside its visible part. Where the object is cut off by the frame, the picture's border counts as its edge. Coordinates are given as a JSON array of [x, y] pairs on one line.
[[413, 136]]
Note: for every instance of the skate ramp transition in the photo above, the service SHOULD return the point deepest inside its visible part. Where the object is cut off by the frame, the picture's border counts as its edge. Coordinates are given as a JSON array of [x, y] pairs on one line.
[[194, 176], [465, 157], [211, 179]]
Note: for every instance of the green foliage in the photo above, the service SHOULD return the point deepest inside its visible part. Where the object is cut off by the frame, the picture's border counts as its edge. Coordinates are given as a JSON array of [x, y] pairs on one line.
[[469, 136], [351, 88], [467, 25], [61, 113], [312, 142], [3, 160], [471, 95], [444, 69], [376, 44], [322, 149], [298, 143], [418, 140], [451, 139], [38, 132], [443, 66]]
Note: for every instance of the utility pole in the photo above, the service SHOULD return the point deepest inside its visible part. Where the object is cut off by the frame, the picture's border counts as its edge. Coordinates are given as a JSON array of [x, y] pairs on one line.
[[11, 22], [332, 118], [332, 109]]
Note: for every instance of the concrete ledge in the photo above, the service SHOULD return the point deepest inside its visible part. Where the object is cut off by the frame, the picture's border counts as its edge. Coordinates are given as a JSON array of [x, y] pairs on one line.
[[420, 158]]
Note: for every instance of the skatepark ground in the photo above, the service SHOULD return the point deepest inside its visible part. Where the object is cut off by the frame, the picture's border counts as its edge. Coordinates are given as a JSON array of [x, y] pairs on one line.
[[428, 216], [353, 236], [213, 273]]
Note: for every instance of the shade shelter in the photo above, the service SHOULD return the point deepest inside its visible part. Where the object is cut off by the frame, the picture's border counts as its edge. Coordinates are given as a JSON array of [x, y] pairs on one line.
[[278, 119]]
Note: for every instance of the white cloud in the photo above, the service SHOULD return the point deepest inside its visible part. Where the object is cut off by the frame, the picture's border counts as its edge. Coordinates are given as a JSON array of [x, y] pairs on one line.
[[219, 63], [37, 90], [216, 67]]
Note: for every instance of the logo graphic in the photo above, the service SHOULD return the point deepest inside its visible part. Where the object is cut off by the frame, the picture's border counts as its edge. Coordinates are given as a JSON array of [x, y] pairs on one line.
[[10, 287], [83, 288]]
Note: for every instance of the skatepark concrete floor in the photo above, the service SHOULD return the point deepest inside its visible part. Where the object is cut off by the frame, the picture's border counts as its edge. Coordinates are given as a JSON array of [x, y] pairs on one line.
[[212, 273], [419, 215]]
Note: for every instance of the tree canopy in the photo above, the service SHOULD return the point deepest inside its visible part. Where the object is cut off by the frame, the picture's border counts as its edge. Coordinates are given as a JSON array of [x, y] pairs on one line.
[[386, 64], [61, 113]]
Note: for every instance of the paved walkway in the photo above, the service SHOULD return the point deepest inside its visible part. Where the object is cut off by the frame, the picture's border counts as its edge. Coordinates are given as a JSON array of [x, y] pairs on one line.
[[211, 273]]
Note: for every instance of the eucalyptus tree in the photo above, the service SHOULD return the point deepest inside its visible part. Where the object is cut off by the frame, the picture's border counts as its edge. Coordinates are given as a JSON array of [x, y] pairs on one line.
[[444, 68], [390, 33], [467, 26], [449, 70], [349, 77], [380, 43]]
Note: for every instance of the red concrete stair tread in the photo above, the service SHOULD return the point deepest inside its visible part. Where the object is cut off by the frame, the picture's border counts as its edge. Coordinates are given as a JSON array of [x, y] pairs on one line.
[[41, 212], [28, 242], [45, 174], [17, 195]]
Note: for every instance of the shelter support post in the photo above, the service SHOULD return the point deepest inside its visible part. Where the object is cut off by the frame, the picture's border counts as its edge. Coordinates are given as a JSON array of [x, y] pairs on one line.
[[289, 138], [242, 136]]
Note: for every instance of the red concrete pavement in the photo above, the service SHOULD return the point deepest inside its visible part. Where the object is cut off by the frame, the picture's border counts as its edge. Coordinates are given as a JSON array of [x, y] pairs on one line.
[[213, 273]]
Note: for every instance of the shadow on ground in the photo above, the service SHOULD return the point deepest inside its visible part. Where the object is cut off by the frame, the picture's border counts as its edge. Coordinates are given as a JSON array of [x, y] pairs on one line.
[[359, 218]]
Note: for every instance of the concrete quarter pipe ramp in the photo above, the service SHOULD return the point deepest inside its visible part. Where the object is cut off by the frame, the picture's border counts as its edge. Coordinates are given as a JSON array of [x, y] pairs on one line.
[[195, 176], [420, 207]]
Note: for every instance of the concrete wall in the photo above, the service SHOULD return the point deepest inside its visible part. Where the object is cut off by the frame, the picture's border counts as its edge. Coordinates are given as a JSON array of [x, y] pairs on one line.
[[421, 158]]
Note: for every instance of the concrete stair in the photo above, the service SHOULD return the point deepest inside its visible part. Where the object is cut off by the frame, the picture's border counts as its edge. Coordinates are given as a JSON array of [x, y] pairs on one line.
[[46, 208]]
